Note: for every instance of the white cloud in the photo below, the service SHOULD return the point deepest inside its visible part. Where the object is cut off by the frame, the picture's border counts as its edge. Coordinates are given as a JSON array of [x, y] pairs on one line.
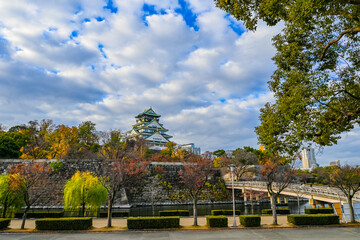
[[76, 60]]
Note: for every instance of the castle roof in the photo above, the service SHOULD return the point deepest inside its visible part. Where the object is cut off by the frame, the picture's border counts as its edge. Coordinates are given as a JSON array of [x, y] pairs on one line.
[[149, 112]]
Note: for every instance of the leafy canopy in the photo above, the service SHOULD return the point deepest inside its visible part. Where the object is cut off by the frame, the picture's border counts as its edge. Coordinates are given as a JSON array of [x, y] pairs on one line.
[[316, 84], [84, 192]]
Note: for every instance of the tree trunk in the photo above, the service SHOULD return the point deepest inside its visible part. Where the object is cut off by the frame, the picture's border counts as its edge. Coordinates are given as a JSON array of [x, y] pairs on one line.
[[5, 206], [351, 208], [83, 209], [24, 217], [298, 202], [273, 207], [195, 211], [109, 216]]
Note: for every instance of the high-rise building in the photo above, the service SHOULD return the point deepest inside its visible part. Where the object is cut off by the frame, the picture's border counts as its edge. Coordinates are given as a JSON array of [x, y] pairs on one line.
[[335, 163], [308, 158], [148, 126]]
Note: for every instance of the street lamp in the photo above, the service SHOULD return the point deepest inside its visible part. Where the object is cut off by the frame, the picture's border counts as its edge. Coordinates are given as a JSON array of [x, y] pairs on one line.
[[233, 193]]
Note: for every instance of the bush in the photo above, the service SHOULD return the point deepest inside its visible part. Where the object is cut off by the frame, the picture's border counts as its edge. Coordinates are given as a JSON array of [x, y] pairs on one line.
[[319, 210], [313, 219], [217, 221], [250, 220], [4, 223], [114, 214], [153, 222], [174, 213], [64, 223], [278, 211], [40, 215], [224, 212]]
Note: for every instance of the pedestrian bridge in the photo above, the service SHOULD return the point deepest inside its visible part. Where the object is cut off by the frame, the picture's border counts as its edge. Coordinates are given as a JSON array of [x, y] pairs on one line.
[[322, 194]]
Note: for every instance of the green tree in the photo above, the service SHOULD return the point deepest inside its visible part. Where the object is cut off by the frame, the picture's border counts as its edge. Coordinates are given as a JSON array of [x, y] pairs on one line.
[[316, 83], [11, 143], [10, 199], [219, 153], [84, 193], [88, 137]]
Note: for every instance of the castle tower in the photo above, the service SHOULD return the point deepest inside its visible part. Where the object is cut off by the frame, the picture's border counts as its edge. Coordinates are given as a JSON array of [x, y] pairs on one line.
[[308, 158], [148, 126]]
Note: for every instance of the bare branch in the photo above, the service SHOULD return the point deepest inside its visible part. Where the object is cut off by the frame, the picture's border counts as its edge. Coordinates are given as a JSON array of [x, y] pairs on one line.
[[351, 30]]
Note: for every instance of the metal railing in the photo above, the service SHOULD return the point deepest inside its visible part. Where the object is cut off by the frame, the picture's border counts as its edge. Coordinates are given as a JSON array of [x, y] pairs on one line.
[[300, 189]]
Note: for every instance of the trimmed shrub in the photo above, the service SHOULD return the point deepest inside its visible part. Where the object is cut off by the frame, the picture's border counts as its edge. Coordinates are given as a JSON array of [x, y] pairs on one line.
[[174, 213], [4, 223], [83, 223], [217, 221], [153, 222], [250, 220], [115, 214], [319, 210], [313, 219], [40, 215], [224, 212], [278, 211]]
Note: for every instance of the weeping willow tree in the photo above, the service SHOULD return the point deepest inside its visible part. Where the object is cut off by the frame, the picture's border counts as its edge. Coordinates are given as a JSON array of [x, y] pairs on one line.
[[84, 193], [10, 199]]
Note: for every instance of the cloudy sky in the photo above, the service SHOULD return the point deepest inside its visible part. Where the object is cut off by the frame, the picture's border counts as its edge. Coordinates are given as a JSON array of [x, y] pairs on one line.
[[108, 60]]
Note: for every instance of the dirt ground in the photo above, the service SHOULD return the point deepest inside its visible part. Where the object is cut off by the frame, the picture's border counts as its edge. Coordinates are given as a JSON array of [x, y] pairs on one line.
[[266, 221]]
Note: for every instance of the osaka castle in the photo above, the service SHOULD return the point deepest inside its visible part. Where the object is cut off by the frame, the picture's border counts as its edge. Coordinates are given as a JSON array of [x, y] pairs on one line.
[[148, 126]]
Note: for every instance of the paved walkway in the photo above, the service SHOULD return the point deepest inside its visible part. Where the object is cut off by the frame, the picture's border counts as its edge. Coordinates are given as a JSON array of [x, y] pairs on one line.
[[268, 234], [184, 221]]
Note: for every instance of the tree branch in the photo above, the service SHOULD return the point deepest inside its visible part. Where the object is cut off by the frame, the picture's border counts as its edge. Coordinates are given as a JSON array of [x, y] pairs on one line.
[[351, 30]]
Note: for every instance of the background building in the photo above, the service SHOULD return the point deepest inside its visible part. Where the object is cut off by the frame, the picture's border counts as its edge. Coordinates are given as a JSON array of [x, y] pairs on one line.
[[308, 158], [335, 163], [190, 147]]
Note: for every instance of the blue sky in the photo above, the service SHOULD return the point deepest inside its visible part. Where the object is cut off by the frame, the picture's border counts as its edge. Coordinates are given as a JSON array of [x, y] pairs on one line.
[[106, 61]]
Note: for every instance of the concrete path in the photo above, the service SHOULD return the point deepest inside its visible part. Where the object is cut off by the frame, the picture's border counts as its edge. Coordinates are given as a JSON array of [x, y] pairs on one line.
[[247, 234]]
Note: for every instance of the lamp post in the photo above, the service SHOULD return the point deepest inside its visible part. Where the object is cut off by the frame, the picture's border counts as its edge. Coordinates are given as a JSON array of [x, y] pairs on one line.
[[233, 193]]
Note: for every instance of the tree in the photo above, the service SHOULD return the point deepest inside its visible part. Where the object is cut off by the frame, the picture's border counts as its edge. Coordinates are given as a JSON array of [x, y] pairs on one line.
[[63, 140], [242, 161], [30, 181], [84, 192], [118, 172], [10, 199], [219, 153], [11, 143], [194, 177], [38, 145], [316, 83], [277, 176], [87, 136], [346, 179]]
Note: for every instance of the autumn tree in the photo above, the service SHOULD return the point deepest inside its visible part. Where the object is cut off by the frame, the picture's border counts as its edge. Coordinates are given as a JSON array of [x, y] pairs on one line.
[[193, 180], [84, 193], [10, 199], [316, 83], [29, 180], [242, 161], [277, 175], [118, 170], [347, 180], [64, 142], [38, 145]]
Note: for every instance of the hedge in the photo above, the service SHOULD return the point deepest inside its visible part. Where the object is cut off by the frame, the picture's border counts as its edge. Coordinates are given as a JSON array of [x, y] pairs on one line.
[[115, 214], [278, 211], [217, 221], [4, 223], [40, 214], [319, 210], [174, 213], [313, 219], [153, 222], [250, 220], [77, 223], [224, 212]]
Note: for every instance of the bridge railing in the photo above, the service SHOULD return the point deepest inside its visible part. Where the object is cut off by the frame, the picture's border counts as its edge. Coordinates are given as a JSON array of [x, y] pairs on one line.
[[300, 189]]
